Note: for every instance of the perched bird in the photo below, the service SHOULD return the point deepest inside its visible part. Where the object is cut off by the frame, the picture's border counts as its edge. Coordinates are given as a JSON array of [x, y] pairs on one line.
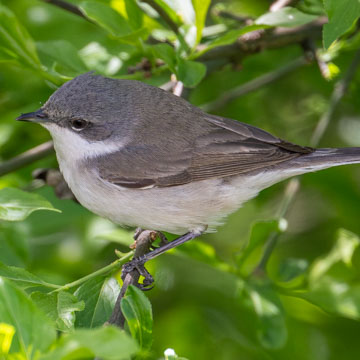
[[143, 157]]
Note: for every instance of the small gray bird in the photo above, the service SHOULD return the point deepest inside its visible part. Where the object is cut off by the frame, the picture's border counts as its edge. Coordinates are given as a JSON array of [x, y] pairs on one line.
[[143, 157]]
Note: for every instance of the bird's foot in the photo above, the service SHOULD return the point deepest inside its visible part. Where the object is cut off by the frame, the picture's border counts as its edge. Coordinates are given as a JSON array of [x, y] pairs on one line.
[[138, 264]]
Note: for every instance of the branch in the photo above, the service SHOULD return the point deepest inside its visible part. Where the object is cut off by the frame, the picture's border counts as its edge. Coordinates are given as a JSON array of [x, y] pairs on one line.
[[293, 185], [27, 158], [143, 240], [105, 270], [172, 25], [310, 47], [257, 41], [338, 93], [66, 6], [255, 84]]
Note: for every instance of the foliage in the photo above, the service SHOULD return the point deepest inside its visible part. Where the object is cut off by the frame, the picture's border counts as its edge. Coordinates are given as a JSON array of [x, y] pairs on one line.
[[214, 297]]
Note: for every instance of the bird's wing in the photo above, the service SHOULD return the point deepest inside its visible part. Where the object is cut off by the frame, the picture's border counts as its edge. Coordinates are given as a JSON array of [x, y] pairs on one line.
[[225, 148]]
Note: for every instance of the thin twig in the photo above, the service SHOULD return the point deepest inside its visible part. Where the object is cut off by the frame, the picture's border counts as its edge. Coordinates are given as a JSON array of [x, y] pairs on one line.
[[66, 6], [310, 47], [293, 185], [278, 4], [340, 90], [143, 244], [27, 158], [255, 84], [172, 25], [105, 270], [280, 37]]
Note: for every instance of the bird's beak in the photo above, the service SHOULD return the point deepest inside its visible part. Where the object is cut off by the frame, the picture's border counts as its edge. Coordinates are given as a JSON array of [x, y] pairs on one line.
[[37, 116]]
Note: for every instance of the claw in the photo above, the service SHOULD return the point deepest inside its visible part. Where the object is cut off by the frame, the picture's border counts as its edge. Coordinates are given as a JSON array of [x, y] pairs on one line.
[[138, 265]]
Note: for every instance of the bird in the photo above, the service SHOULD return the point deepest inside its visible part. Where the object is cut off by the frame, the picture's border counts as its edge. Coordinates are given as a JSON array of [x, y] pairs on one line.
[[143, 157]]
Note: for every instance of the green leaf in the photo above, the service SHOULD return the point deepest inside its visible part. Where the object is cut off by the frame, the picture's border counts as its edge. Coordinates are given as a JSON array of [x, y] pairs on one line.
[[261, 299], [342, 15], [201, 8], [22, 277], [62, 53], [14, 245], [16, 205], [67, 304], [134, 13], [291, 269], [229, 38], [59, 306], [7, 55], [286, 17], [106, 17], [333, 280], [167, 53], [107, 343], [110, 20], [138, 314], [190, 72], [99, 295], [16, 40], [335, 297], [134, 37], [251, 254], [34, 331], [342, 252]]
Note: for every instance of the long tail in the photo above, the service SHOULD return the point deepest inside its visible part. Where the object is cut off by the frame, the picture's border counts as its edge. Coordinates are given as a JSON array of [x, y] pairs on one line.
[[325, 158]]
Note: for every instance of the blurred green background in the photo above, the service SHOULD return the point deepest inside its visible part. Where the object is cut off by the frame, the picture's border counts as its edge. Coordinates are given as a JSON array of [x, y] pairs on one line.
[[200, 309]]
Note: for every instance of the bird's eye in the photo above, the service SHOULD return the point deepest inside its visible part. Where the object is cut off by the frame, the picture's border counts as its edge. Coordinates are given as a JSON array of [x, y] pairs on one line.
[[78, 124]]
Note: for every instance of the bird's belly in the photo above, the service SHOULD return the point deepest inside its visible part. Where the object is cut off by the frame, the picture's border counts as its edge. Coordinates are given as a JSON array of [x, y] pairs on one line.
[[191, 207]]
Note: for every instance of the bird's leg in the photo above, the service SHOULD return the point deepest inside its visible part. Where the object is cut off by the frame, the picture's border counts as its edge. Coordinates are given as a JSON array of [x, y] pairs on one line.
[[139, 262]]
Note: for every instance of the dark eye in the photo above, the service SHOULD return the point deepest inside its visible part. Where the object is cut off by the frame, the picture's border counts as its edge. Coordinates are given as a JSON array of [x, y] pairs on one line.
[[78, 124]]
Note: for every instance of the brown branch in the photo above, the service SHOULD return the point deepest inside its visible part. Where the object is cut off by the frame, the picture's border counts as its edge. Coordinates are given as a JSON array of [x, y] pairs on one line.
[[255, 84], [66, 6], [260, 40], [143, 240], [293, 185], [27, 158]]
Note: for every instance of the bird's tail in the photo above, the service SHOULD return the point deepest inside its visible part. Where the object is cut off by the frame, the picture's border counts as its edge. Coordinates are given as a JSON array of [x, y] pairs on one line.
[[325, 158]]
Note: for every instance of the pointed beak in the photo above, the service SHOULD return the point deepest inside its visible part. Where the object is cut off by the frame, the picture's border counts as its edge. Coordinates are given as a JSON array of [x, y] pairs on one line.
[[37, 117]]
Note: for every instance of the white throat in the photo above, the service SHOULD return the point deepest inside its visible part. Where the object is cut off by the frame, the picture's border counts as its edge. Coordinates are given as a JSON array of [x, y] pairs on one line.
[[72, 148]]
